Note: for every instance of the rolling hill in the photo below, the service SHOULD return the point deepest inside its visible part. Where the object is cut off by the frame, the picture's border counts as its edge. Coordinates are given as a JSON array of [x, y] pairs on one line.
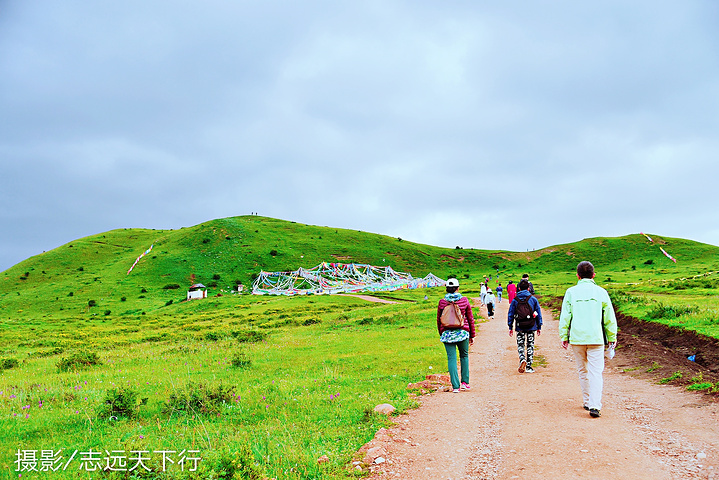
[[89, 275]]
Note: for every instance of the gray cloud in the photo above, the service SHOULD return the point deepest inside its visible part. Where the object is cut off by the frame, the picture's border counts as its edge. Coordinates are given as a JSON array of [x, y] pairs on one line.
[[437, 123]]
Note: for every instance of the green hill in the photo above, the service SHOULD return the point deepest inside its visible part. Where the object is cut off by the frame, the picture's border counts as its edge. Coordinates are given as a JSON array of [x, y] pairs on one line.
[[89, 276], [261, 387]]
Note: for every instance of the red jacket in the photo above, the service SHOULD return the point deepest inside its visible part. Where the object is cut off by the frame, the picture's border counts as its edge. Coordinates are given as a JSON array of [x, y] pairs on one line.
[[511, 292], [466, 309]]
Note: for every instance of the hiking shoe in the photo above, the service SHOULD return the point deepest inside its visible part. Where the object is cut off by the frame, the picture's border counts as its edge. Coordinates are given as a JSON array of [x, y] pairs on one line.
[[522, 366], [456, 390], [529, 370], [465, 386], [586, 408], [595, 413]]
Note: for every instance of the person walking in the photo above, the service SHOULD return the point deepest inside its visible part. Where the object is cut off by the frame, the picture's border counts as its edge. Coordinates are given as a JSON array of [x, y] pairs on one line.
[[456, 338], [499, 293], [531, 287], [511, 291], [483, 291], [587, 323], [525, 316], [489, 301]]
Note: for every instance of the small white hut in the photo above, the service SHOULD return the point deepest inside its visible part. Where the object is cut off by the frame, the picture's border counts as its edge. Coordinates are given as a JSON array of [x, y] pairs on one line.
[[197, 290]]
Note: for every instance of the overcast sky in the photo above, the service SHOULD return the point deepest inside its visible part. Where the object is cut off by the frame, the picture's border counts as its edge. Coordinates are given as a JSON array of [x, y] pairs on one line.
[[493, 125]]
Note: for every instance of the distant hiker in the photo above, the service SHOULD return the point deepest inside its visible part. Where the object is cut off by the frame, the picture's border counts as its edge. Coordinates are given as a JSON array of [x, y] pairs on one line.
[[587, 322], [525, 315], [499, 293], [489, 301], [531, 287], [483, 292], [511, 291], [455, 324]]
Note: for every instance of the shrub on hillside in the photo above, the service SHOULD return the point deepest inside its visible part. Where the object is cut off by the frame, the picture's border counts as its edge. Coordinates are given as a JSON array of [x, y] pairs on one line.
[[241, 360], [171, 286], [224, 465], [47, 353], [8, 363], [213, 336], [92, 303], [669, 311], [120, 402], [249, 336], [199, 398], [78, 361]]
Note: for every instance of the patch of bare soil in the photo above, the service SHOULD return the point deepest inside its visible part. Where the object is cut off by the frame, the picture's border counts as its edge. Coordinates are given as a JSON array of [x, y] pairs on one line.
[[368, 298], [512, 425], [654, 352]]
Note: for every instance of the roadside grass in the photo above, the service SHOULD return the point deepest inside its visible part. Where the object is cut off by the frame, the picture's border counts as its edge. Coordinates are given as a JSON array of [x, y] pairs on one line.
[[687, 308], [308, 390]]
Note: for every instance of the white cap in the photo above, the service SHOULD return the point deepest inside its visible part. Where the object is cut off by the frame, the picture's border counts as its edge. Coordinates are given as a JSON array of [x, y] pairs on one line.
[[453, 282]]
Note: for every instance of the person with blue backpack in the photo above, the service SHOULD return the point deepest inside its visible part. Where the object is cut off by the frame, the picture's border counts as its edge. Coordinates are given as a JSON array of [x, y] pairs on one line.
[[525, 316]]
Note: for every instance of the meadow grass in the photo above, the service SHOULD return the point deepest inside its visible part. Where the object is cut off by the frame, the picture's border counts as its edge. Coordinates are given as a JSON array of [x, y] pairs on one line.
[[308, 390]]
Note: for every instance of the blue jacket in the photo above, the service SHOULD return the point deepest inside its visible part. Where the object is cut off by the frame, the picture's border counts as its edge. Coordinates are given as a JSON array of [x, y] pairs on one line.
[[535, 306]]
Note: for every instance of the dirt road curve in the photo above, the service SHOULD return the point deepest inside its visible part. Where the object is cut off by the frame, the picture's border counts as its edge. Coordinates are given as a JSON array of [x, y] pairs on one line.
[[532, 426]]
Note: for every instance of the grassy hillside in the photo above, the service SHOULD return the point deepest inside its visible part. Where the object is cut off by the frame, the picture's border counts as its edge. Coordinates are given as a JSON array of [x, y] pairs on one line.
[[93, 358], [89, 276]]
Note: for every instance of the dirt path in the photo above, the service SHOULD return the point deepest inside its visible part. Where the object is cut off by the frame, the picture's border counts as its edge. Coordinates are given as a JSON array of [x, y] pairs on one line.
[[532, 426], [368, 298]]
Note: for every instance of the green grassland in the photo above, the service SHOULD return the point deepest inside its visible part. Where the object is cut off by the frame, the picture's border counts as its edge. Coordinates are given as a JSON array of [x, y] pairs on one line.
[[259, 386]]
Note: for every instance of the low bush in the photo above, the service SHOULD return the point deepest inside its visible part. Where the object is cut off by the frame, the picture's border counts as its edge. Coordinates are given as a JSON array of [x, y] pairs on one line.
[[225, 465], [120, 402], [199, 398], [171, 286], [78, 361], [249, 336], [674, 376], [708, 386], [8, 363], [241, 360], [213, 336], [669, 311], [47, 353]]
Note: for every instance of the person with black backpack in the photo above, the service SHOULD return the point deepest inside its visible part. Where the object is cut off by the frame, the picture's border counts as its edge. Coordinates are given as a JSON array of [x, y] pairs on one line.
[[525, 316], [455, 323]]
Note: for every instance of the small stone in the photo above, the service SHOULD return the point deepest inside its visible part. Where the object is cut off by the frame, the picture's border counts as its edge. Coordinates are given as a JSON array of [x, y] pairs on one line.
[[379, 460], [384, 408], [701, 455]]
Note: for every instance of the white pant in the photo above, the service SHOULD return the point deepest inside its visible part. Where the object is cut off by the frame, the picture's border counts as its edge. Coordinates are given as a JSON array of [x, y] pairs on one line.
[[590, 365]]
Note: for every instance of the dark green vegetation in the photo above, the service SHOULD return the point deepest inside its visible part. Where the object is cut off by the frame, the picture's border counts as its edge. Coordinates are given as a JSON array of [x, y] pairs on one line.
[[91, 357]]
